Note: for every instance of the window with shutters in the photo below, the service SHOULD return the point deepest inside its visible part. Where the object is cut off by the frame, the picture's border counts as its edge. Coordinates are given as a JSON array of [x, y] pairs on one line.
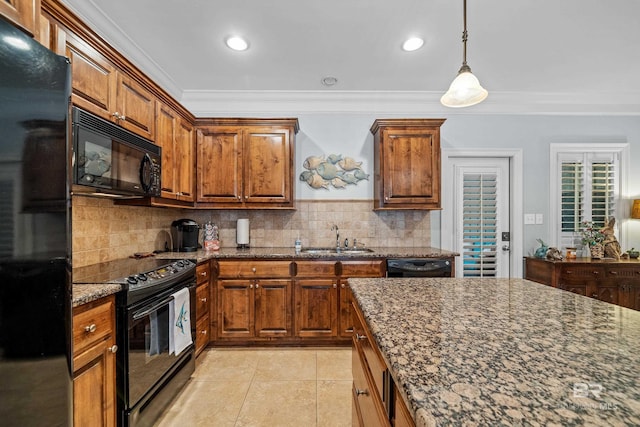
[[586, 186], [479, 224]]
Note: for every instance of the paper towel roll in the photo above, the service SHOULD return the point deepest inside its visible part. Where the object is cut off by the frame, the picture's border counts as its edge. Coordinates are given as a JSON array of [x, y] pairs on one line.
[[242, 232]]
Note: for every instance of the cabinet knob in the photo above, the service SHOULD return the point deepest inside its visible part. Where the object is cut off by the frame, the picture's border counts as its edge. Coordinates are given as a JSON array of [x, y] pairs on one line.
[[113, 348], [203, 274], [251, 286], [360, 337], [257, 285], [203, 332], [595, 272], [203, 299], [91, 328], [362, 392], [253, 269], [594, 295], [613, 272], [343, 286]]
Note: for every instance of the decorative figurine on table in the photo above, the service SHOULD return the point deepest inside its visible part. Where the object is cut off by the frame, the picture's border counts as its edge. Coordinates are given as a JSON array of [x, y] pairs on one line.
[[541, 252], [554, 254], [611, 246]]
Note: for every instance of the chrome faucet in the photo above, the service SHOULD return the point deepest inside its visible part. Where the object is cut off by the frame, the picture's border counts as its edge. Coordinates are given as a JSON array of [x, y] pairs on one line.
[[335, 227]]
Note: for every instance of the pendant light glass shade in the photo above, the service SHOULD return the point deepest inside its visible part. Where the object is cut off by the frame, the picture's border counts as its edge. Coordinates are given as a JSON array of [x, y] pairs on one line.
[[465, 90]]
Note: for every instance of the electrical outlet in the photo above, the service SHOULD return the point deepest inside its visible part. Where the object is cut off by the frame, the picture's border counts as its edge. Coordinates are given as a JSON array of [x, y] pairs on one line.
[[529, 219], [539, 219]]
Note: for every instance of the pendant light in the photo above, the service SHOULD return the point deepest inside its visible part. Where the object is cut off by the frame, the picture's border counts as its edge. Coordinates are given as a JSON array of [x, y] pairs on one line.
[[465, 90]]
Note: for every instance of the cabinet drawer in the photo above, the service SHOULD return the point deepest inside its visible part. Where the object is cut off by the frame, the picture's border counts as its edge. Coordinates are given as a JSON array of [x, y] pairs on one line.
[[251, 269], [92, 323], [367, 405], [202, 333], [316, 268], [630, 272], [202, 272], [372, 268], [373, 361], [202, 300]]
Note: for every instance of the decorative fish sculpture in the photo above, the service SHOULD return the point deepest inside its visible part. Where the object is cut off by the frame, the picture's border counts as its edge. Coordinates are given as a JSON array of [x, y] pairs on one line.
[[306, 176], [349, 164], [338, 183], [359, 173], [312, 162], [334, 158], [318, 182], [349, 178], [328, 171]]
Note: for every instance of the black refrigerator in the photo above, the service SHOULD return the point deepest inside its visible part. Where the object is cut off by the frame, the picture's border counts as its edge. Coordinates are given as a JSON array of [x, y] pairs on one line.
[[36, 386]]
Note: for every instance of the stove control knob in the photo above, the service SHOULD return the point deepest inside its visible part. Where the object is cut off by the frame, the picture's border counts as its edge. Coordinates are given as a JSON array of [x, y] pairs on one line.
[[132, 280], [142, 277], [180, 264]]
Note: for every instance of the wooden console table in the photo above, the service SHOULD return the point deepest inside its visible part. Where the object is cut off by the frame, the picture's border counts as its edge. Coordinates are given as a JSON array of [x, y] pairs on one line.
[[617, 282]]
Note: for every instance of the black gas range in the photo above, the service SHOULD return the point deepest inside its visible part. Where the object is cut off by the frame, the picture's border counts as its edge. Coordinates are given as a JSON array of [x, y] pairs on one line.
[[155, 328]]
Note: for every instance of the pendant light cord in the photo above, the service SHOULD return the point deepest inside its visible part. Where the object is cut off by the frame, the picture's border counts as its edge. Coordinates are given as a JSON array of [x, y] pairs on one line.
[[465, 34]]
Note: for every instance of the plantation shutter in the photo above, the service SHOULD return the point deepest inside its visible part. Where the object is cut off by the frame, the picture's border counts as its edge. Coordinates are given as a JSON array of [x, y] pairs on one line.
[[479, 224], [589, 189]]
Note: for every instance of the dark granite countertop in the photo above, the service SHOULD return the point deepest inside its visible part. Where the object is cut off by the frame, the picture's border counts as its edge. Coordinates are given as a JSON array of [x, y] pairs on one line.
[[84, 293], [505, 352]]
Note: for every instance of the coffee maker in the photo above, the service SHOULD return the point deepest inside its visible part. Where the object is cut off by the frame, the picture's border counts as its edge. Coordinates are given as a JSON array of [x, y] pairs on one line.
[[184, 234]]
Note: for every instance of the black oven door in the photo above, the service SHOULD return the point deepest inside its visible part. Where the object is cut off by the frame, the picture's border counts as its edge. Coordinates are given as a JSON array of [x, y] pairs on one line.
[[147, 353]]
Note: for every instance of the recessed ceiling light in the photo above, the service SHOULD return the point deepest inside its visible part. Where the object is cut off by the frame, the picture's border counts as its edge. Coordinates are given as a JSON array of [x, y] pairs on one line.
[[413, 43], [237, 43], [329, 81]]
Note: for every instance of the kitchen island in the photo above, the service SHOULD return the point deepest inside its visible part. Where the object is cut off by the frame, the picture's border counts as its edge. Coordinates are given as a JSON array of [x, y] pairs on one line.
[[504, 352]]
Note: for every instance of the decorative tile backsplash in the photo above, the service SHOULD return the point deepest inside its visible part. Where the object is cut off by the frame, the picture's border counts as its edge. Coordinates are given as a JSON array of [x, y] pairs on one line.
[[103, 231]]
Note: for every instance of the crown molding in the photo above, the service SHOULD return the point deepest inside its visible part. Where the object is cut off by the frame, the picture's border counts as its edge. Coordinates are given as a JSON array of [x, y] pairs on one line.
[[226, 103]]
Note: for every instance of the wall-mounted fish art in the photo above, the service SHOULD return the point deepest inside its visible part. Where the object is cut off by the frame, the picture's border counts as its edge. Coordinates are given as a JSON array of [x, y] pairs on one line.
[[333, 171]]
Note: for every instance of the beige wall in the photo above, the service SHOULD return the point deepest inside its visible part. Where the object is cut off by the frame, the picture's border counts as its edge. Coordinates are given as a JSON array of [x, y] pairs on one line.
[[103, 231]]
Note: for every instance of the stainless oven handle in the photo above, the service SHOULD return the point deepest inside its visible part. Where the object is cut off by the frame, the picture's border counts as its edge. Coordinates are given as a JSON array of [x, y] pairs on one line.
[[139, 314]]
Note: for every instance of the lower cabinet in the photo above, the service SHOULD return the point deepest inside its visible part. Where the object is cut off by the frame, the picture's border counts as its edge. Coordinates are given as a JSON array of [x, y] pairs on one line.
[[316, 308], [94, 364]]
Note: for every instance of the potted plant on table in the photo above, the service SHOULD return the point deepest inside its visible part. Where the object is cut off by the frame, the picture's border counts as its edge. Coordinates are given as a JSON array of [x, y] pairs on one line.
[[592, 237]]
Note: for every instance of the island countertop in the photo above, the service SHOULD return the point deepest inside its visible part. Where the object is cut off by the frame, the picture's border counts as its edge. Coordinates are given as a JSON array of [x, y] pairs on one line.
[[504, 352]]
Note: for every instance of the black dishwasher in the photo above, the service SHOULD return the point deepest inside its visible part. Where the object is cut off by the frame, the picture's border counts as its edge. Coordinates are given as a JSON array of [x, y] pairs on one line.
[[418, 267]]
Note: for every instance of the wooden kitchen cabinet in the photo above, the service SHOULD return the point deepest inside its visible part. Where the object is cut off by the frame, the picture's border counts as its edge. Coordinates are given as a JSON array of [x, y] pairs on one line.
[[203, 301], [245, 163], [616, 282], [176, 137], [23, 13], [407, 163], [94, 363], [254, 300]]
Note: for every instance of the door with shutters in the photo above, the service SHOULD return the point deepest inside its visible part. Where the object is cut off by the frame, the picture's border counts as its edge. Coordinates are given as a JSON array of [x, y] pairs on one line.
[[481, 217]]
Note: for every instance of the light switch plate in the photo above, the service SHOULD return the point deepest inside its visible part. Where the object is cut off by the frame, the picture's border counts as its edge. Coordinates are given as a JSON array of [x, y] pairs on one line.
[[539, 219], [529, 219]]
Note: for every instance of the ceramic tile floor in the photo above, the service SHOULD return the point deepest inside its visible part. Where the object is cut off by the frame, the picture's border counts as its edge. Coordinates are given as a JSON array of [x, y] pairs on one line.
[[266, 387]]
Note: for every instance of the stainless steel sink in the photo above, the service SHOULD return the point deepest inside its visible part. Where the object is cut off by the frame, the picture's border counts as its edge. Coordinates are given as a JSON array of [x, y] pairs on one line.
[[320, 251]]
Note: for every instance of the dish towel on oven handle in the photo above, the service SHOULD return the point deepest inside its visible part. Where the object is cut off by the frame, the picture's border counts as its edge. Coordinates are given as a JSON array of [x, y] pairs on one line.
[[180, 315]]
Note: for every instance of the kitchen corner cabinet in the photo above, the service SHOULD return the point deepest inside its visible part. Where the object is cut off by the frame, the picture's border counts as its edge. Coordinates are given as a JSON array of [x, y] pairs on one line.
[[407, 163], [176, 137], [245, 163], [203, 300], [23, 13], [616, 282], [94, 363], [99, 87], [253, 300]]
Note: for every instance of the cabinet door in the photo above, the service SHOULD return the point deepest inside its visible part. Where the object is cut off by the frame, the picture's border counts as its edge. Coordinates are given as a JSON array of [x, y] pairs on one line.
[[94, 386], [273, 308], [135, 107], [607, 291], [235, 309], [23, 13], [345, 323], [166, 138], [410, 167], [267, 166], [184, 161], [93, 77], [316, 306], [219, 167]]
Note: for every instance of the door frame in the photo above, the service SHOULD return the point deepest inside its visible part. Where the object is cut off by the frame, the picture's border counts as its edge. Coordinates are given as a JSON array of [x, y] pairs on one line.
[[516, 185]]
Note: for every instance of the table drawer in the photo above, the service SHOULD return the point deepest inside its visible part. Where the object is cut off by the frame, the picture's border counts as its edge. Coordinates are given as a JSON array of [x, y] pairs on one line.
[[92, 323], [251, 269]]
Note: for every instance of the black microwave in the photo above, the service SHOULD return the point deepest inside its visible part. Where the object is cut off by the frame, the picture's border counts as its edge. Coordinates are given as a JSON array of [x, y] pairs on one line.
[[108, 160]]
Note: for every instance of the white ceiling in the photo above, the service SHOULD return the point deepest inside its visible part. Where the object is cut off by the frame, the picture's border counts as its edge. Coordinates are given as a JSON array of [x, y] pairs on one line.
[[533, 56]]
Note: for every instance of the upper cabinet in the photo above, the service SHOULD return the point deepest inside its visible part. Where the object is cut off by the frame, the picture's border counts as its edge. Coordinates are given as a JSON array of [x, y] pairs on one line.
[[407, 163], [176, 137], [23, 13], [245, 163]]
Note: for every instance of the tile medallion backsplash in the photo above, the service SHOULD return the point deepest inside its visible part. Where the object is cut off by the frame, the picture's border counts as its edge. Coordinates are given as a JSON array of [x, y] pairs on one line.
[[104, 231]]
